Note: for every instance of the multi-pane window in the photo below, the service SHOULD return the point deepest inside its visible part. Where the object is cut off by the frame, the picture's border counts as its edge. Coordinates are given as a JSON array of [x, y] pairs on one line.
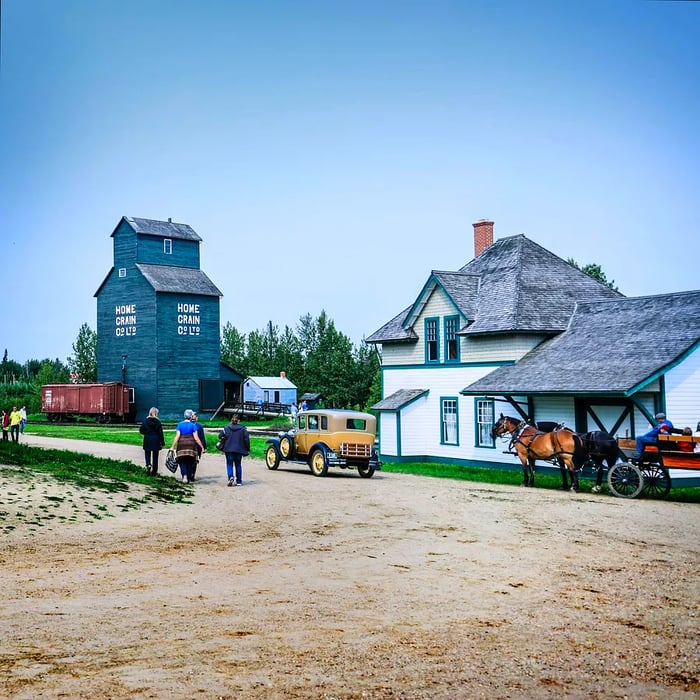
[[451, 339], [484, 422], [168, 246], [448, 419], [432, 344], [122, 272]]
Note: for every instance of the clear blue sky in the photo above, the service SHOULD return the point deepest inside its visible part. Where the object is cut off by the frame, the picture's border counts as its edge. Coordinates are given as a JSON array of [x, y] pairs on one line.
[[330, 154]]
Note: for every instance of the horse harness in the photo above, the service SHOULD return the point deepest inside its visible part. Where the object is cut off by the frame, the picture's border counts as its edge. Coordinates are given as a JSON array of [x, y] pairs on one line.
[[516, 439]]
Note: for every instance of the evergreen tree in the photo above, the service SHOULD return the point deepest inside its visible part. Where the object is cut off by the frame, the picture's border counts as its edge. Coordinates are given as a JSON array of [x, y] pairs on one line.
[[595, 271], [233, 349], [83, 363]]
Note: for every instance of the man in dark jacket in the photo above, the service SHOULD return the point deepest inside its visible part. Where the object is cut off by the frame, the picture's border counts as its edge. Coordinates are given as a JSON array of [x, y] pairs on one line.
[[236, 446]]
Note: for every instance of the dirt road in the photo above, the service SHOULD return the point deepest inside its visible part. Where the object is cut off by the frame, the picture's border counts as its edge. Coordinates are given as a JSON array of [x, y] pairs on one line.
[[392, 587]]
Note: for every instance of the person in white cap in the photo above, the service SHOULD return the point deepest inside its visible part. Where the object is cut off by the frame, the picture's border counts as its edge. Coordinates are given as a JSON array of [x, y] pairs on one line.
[[662, 426]]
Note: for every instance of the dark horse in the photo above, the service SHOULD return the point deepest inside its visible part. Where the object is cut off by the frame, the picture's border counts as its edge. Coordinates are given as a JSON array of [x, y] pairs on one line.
[[562, 446], [599, 447]]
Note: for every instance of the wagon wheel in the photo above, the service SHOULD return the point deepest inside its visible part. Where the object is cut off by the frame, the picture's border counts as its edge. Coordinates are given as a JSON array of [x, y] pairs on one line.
[[285, 446], [272, 458], [317, 463], [625, 480], [657, 482]]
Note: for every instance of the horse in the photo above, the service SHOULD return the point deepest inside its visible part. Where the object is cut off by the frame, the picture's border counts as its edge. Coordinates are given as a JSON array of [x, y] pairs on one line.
[[599, 447], [562, 446]]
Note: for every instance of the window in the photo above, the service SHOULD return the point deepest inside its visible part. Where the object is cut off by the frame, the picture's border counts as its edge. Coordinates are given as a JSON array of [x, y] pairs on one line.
[[432, 349], [356, 424], [484, 412], [451, 339], [122, 272], [168, 246], [313, 422], [448, 419], [324, 422], [302, 422]]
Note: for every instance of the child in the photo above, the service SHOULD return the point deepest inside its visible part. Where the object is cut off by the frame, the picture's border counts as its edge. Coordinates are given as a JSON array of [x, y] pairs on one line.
[[685, 446]]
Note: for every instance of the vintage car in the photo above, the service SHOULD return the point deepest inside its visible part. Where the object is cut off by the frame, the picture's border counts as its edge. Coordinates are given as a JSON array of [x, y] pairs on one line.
[[323, 438]]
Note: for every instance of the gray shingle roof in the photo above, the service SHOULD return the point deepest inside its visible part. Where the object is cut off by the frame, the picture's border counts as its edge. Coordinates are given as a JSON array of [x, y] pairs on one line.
[[166, 229], [394, 330], [514, 286], [399, 399], [178, 280], [525, 288], [610, 347]]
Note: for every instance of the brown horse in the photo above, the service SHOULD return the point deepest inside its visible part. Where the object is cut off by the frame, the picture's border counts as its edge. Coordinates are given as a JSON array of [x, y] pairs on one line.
[[560, 446]]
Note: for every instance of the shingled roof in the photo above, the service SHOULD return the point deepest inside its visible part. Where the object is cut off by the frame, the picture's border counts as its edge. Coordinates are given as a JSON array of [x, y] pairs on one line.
[[613, 347], [514, 286], [399, 399], [165, 229], [178, 280]]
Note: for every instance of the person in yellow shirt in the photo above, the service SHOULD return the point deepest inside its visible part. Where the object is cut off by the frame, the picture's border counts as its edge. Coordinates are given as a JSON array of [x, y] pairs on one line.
[[15, 420]]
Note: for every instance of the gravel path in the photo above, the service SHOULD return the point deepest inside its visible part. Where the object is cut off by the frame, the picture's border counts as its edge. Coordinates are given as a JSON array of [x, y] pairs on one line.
[[392, 587]]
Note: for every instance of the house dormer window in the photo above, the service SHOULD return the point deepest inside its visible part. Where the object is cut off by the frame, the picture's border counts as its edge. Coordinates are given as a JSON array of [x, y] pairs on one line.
[[168, 246], [451, 339], [432, 342]]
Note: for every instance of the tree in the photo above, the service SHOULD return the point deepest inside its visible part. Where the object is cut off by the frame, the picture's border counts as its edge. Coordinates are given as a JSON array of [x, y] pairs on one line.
[[83, 363], [233, 349], [594, 271]]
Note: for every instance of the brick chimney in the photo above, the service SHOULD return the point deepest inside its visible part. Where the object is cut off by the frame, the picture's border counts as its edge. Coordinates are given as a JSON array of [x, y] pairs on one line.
[[483, 236], [283, 374]]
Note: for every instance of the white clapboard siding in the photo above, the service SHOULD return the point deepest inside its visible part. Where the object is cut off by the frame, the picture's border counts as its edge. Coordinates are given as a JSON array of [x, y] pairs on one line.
[[683, 392]]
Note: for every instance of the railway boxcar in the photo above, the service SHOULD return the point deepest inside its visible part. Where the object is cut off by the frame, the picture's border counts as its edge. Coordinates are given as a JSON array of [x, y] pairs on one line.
[[111, 401]]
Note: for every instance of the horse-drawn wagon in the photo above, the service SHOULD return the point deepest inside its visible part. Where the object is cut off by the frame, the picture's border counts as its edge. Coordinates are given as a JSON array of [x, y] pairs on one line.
[[648, 473], [628, 475]]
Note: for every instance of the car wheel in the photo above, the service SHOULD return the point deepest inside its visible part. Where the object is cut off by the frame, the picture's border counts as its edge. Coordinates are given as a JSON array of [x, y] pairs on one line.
[[365, 471], [285, 446], [272, 458], [318, 463]]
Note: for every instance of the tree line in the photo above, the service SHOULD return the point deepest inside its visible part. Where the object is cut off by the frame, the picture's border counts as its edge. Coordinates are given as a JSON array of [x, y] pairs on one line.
[[315, 356]]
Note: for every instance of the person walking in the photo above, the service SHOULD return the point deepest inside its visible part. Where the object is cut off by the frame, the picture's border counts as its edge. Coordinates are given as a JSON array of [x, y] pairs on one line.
[[5, 425], [185, 444], [153, 440], [202, 438], [236, 446], [15, 420], [23, 421]]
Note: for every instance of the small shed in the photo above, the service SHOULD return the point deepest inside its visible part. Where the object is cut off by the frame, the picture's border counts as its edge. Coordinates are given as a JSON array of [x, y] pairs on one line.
[[269, 390], [313, 400]]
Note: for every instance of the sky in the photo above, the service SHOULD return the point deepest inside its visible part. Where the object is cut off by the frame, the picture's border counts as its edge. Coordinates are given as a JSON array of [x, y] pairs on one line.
[[331, 154]]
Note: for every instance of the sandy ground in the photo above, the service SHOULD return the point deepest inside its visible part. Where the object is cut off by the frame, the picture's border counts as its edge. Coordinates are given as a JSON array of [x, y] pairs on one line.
[[340, 587]]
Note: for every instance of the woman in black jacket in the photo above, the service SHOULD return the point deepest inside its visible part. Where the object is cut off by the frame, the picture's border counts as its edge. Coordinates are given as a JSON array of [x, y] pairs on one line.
[[236, 446], [153, 440]]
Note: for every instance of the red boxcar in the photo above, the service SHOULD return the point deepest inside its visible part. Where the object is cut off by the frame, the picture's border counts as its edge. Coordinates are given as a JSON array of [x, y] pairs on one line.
[[104, 402]]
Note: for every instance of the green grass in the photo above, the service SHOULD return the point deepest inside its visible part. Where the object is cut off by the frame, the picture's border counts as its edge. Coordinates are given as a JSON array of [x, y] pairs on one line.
[[92, 473], [131, 436]]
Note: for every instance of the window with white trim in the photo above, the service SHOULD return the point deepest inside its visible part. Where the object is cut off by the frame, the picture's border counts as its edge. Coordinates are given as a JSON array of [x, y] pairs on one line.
[[122, 272], [168, 246], [448, 420], [484, 413]]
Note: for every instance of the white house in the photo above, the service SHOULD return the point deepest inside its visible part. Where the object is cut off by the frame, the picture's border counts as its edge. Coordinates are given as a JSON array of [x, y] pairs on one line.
[[277, 390], [520, 331]]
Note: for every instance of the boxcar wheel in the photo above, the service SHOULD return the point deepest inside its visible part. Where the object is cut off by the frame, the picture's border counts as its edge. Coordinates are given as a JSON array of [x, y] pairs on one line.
[[625, 480], [272, 458], [657, 482], [317, 463], [285, 446], [365, 471]]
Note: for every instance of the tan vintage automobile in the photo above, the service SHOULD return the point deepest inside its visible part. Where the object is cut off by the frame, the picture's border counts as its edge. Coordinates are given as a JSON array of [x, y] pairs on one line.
[[323, 438]]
